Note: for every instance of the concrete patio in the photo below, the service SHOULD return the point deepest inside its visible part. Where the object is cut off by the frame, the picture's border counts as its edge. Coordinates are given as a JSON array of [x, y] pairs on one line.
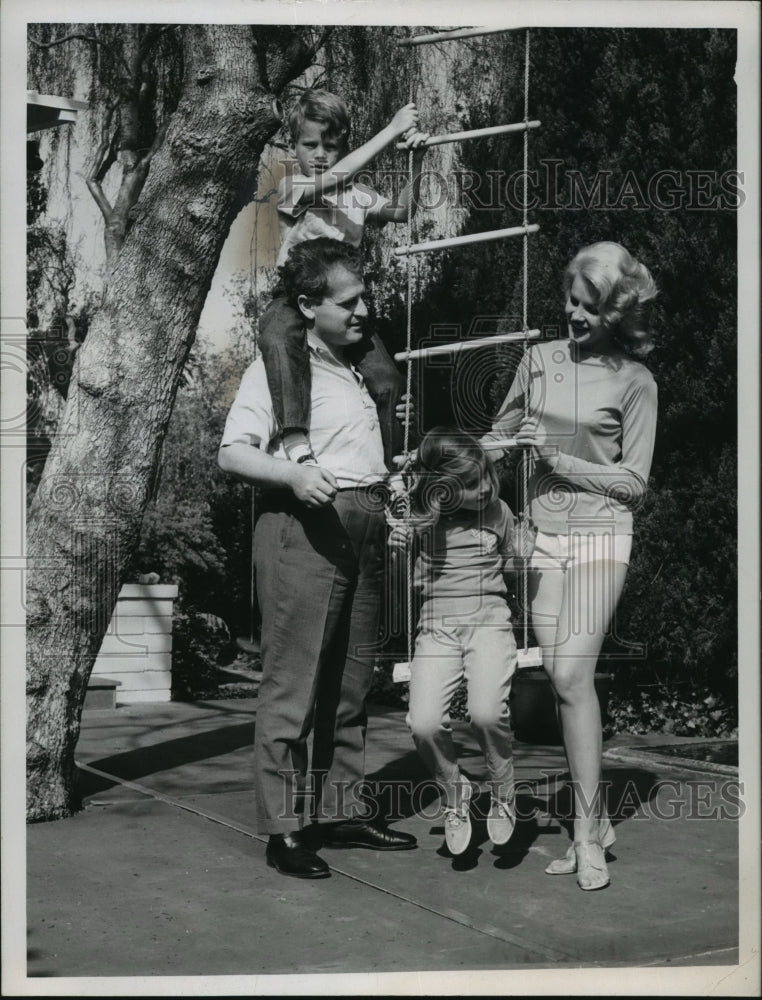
[[163, 873]]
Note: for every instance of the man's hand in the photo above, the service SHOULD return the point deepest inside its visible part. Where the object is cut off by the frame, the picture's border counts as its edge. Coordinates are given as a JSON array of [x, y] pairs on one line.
[[403, 462], [399, 411], [405, 119], [313, 485]]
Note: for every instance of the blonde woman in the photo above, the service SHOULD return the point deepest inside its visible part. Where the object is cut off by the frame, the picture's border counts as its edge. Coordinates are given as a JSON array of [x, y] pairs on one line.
[[586, 406]]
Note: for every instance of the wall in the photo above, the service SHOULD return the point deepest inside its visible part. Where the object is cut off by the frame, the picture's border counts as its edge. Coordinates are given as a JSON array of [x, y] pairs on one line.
[[137, 648]]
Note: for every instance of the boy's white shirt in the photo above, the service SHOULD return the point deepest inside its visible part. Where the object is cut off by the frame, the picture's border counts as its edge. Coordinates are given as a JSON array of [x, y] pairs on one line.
[[340, 215]]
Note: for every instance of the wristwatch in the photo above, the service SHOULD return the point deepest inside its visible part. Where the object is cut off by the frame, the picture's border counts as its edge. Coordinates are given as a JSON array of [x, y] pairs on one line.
[[307, 457]]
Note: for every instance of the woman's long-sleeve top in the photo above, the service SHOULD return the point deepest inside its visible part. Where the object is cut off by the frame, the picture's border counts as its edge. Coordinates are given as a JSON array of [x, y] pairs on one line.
[[599, 411]]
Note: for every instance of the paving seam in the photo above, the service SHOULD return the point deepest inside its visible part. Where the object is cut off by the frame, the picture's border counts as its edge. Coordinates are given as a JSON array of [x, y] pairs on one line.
[[693, 954], [554, 954]]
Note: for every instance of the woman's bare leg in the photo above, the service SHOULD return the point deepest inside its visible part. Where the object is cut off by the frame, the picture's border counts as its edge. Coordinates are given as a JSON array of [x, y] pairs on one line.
[[589, 594], [546, 596]]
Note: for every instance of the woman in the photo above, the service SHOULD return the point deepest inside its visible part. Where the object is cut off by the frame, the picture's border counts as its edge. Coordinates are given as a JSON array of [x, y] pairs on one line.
[[587, 408]]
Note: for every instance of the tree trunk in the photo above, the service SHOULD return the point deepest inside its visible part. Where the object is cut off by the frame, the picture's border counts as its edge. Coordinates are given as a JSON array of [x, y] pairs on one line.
[[85, 519]]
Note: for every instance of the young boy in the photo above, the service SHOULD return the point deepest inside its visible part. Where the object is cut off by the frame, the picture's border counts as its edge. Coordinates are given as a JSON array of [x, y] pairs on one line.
[[322, 199]]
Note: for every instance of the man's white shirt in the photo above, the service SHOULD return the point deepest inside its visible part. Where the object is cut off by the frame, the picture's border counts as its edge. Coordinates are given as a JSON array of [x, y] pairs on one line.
[[344, 429]]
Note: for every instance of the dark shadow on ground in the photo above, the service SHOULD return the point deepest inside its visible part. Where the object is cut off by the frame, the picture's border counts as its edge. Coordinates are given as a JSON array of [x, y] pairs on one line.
[[628, 789], [34, 955], [135, 764], [402, 787]]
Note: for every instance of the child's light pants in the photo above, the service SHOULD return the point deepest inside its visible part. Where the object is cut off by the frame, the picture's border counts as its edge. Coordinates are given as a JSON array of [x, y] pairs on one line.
[[483, 651]]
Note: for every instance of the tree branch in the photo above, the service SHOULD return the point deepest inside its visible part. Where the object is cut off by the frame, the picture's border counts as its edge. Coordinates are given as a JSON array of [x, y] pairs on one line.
[[95, 189], [80, 37], [105, 155], [158, 139], [75, 36], [151, 37], [290, 51], [109, 159]]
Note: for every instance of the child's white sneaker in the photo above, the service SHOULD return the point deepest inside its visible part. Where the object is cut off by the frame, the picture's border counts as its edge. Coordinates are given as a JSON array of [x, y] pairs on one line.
[[501, 821], [457, 823]]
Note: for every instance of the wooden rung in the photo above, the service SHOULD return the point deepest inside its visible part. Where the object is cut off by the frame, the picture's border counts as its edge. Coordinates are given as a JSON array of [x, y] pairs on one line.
[[401, 673], [500, 445], [446, 36], [459, 241], [475, 133], [531, 657], [467, 345], [403, 462]]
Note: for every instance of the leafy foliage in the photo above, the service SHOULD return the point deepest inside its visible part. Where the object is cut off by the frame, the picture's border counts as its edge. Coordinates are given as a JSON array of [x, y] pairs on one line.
[[670, 711], [196, 529], [196, 643]]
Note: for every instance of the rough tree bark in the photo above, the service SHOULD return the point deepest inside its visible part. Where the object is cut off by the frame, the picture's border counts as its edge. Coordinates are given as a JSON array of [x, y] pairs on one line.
[[85, 519]]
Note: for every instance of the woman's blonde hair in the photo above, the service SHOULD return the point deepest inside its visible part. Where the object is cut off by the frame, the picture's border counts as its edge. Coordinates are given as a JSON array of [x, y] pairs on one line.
[[625, 292]]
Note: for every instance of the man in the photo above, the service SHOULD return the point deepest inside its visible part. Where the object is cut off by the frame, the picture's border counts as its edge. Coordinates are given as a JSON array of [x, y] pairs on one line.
[[318, 552]]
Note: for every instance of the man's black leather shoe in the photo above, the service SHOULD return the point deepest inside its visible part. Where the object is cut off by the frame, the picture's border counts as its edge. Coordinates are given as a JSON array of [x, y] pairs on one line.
[[358, 833], [289, 857]]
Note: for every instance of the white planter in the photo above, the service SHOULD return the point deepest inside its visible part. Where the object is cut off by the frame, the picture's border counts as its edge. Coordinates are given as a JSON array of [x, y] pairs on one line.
[[137, 647]]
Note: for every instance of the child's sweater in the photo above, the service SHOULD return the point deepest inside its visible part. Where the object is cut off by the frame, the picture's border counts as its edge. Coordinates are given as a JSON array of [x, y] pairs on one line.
[[461, 558]]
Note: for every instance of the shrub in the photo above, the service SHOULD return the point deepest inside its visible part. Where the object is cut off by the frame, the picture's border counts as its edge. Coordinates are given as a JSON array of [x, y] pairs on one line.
[[665, 710], [198, 640]]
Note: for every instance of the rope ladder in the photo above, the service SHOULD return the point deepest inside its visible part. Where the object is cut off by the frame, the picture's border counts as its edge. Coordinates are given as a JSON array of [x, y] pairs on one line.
[[527, 657]]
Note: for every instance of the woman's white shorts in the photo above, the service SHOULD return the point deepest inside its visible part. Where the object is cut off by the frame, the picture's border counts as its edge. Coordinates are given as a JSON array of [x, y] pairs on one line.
[[561, 551]]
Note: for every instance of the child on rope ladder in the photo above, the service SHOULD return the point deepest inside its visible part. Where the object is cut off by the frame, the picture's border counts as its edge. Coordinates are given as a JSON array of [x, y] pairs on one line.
[[466, 539], [322, 199]]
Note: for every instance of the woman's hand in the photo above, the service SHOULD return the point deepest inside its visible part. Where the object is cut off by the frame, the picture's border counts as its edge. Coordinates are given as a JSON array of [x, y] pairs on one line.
[[524, 536], [532, 433]]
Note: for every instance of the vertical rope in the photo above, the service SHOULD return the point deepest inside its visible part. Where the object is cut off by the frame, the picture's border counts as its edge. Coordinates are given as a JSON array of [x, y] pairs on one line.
[[409, 374], [409, 297], [409, 306], [525, 458], [526, 181], [254, 298], [252, 569]]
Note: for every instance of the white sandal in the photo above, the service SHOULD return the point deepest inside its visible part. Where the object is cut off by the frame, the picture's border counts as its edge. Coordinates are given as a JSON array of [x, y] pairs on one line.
[[567, 865], [592, 872]]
